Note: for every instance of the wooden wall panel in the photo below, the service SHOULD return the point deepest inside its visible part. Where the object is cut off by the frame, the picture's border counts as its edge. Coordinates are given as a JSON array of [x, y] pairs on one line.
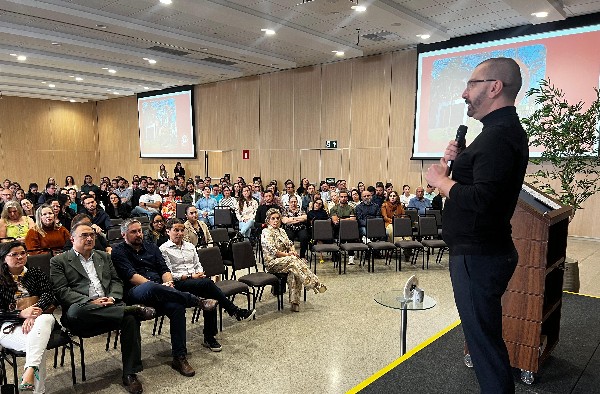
[[336, 102], [310, 164], [364, 167], [42, 138], [371, 83], [279, 165], [246, 108], [207, 103], [280, 113], [401, 170], [331, 164], [307, 107], [404, 88]]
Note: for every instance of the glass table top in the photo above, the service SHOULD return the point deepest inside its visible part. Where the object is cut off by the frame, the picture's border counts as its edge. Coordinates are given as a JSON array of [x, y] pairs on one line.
[[395, 299]]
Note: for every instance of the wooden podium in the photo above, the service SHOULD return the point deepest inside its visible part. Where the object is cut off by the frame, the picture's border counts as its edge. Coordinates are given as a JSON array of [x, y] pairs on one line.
[[532, 302]]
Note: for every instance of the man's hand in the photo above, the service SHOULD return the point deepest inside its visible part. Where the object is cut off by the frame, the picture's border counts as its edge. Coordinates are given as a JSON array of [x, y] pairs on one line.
[[168, 283], [198, 275], [102, 301]]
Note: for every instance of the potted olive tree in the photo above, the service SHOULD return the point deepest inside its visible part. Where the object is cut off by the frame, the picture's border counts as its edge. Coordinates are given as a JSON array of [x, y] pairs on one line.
[[569, 167]]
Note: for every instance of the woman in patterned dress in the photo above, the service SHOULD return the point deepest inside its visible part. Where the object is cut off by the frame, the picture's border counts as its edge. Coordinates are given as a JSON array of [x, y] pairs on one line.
[[280, 257]]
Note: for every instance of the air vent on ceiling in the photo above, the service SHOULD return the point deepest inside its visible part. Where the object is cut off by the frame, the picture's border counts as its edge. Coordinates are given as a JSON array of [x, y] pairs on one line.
[[219, 61], [170, 51], [381, 36]]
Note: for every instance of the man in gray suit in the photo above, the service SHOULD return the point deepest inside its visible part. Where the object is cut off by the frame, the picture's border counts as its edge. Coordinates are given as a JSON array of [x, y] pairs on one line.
[[90, 292]]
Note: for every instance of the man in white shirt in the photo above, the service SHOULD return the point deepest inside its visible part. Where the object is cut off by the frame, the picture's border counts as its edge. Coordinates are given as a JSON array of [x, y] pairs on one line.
[[188, 275], [290, 190], [149, 203]]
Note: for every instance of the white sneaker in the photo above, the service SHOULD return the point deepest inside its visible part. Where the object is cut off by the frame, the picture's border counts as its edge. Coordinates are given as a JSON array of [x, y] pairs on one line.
[[350, 260]]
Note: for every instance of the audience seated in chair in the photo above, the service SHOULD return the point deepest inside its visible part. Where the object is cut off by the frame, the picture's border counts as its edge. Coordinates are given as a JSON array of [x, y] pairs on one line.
[[13, 223], [188, 276], [27, 330], [391, 208], [268, 202], [419, 202], [342, 211], [365, 210], [149, 281], [195, 231], [294, 222], [98, 215], [157, 233], [91, 295], [281, 257], [116, 209], [149, 203], [206, 207], [46, 233], [246, 211]]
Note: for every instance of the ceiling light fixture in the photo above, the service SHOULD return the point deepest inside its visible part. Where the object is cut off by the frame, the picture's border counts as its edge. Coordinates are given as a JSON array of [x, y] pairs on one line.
[[21, 58], [424, 36], [116, 93], [56, 43], [79, 79], [541, 14], [151, 61], [268, 32], [167, 2], [101, 26], [338, 53], [52, 85], [72, 101], [112, 70]]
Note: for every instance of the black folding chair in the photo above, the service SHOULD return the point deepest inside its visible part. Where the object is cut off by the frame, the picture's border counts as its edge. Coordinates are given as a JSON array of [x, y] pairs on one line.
[[349, 240], [322, 240], [375, 232], [402, 227]]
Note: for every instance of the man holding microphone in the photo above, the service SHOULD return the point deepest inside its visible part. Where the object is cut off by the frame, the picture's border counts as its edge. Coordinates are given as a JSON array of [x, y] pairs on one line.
[[481, 198]]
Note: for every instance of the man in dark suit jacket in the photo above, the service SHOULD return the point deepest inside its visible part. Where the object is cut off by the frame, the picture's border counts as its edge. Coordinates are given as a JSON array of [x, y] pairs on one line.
[[90, 292], [439, 201]]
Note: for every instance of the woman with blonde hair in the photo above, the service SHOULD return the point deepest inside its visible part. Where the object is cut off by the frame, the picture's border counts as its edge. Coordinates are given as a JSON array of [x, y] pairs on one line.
[[46, 233], [13, 222], [281, 257]]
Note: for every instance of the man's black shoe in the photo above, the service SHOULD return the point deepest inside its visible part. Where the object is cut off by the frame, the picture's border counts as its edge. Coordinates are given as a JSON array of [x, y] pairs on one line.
[[141, 312], [244, 314], [132, 384], [212, 344]]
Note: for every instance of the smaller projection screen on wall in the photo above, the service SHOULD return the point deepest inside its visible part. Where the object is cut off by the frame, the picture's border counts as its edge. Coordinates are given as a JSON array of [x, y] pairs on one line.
[[166, 123], [569, 57]]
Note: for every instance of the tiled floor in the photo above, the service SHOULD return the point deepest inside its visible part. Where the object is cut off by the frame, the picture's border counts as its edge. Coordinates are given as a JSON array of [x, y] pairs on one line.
[[336, 341]]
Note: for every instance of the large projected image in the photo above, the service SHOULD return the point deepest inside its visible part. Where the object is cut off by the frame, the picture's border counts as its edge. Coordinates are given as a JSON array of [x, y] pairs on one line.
[[443, 74], [166, 128]]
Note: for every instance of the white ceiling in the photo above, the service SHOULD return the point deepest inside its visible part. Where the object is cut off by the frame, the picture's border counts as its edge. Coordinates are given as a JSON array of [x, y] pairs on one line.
[[221, 39]]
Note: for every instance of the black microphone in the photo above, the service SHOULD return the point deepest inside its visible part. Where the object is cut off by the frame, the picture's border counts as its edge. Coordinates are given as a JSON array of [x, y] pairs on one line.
[[460, 138]]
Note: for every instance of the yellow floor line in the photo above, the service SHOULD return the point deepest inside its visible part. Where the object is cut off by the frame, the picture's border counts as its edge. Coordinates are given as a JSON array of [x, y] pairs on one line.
[[398, 361], [580, 294]]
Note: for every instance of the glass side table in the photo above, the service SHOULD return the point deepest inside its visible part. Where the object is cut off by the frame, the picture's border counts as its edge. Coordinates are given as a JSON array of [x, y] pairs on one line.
[[395, 299]]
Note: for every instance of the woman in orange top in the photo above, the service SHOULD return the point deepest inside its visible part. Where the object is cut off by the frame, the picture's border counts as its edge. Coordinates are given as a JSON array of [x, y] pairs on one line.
[[46, 234], [391, 209]]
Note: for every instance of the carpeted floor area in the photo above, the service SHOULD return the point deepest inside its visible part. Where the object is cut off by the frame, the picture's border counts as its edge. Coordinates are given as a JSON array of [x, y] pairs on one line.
[[572, 367]]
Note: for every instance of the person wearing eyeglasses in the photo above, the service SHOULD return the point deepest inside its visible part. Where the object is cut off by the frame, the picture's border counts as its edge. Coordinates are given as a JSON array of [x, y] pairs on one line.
[[49, 194], [157, 233], [27, 330], [481, 198]]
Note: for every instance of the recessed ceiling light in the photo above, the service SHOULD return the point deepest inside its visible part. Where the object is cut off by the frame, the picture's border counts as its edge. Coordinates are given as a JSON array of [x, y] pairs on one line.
[[541, 14], [146, 87], [268, 32], [338, 53], [56, 44], [52, 85], [72, 101], [151, 61], [166, 1], [78, 79], [13, 54], [101, 26], [105, 68], [44, 82], [112, 70], [116, 93], [21, 58], [424, 36], [359, 8]]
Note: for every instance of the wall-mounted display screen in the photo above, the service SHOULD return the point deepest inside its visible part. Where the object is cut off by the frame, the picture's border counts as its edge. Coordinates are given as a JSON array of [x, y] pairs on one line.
[[568, 57], [166, 123]]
